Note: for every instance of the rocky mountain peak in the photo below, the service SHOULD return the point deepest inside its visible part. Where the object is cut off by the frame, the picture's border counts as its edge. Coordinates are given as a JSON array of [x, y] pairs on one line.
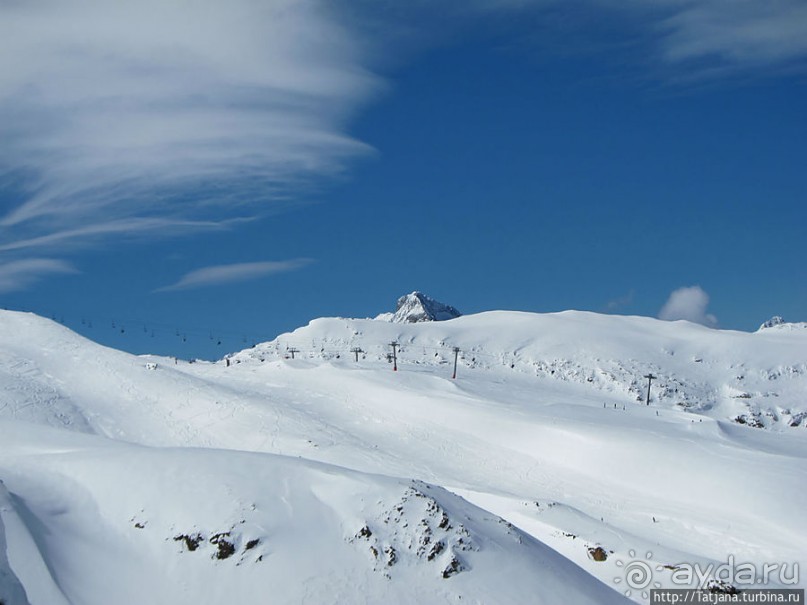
[[417, 307], [776, 320], [780, 324]]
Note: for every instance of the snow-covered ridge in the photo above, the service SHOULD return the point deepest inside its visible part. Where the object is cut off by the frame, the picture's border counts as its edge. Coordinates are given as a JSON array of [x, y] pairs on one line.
[[758, 378], [306, 468], [87, 514]]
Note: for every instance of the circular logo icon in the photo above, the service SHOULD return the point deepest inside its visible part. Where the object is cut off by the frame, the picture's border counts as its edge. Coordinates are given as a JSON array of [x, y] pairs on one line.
[[637, 574]]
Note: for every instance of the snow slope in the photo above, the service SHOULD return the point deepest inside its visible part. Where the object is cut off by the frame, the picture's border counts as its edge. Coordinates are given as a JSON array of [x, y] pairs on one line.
[[120, 523], [760, 378], [329, 462]]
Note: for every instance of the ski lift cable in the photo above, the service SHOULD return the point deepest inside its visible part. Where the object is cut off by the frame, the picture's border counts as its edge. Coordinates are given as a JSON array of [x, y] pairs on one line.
[[186, 333]]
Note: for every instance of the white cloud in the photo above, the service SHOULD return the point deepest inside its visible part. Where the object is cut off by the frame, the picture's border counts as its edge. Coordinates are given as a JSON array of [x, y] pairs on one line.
[[738, 32], [129, 227], [162, 117], [688, 303], [21, 274], [227, 274], [721, 36], [179, 110]]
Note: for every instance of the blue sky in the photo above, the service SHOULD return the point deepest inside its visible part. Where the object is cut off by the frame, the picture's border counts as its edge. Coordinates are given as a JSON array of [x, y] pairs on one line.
[[323, 159]]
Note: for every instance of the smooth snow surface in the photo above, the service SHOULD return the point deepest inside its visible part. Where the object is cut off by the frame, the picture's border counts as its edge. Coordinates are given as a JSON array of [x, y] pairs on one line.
[[322, 479]]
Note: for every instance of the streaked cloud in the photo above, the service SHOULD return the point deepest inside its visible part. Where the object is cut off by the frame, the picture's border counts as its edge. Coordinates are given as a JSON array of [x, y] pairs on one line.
[[21, 274], [739, 32], [129, 227], [167, 117], [702, 38], [689, 303], [240, 272], [191, 112]]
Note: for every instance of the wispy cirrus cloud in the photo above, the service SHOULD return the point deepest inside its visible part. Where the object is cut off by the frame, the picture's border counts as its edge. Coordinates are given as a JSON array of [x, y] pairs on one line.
[[700, 38], [742, 33], [228, 274], [127, 227], [20, 274], [164, 117], [191, 112]]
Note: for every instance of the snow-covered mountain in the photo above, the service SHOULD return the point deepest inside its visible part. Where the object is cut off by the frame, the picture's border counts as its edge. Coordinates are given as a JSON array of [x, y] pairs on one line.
[[417, 307], [758, 379], [778, 323], [537, 475]]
